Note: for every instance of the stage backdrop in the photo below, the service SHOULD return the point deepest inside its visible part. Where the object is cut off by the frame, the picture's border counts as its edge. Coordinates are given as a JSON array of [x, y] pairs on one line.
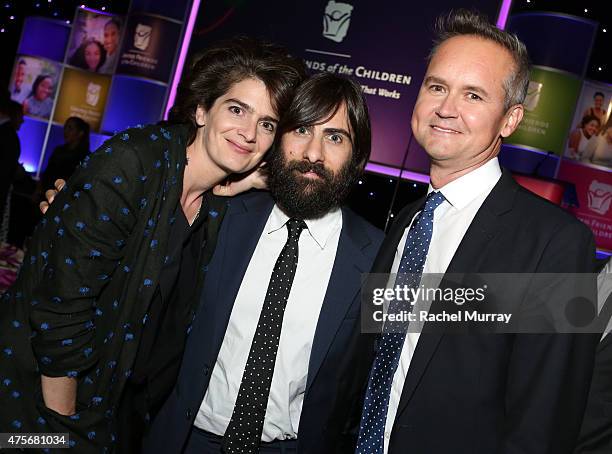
[[383, 45], [73, 68], [594, 190]]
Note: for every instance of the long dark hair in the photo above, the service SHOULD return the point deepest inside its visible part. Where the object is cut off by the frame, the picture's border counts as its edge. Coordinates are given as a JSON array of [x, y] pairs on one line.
[[78, 58], [213, 73], [82, 126]]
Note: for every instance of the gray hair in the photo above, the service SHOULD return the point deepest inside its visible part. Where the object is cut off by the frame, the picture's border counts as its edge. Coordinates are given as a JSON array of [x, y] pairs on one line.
[[462, 22]]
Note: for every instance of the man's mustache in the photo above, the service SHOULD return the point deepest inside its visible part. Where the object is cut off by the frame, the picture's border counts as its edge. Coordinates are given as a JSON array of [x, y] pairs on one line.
[[315, 167]]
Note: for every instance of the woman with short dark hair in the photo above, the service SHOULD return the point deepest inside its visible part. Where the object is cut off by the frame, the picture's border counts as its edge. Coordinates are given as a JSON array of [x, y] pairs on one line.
[[91, 334]]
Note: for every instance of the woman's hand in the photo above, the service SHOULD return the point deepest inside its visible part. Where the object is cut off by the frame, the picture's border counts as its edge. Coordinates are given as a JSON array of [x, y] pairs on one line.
[[255, 179], [59, 394], [50, 195]]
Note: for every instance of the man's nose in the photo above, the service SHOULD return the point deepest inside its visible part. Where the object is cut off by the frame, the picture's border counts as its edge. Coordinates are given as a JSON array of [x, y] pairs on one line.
[[447, 107], [314, 150]]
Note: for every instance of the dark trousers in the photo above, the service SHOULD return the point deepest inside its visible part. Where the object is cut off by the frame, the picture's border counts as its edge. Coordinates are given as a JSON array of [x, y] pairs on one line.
[[131, 421], [202, 442]]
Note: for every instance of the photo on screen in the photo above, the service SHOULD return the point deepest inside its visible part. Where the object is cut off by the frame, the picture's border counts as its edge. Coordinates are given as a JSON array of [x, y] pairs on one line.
[[149, 46], [94, 43], [82, 94], [34, 84], [590, 140]]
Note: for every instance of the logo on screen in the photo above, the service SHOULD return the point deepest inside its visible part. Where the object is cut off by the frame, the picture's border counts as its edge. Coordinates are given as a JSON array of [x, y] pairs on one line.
[[93, 94], [142, 36], [336, 20], [600, 197], [533, 95]]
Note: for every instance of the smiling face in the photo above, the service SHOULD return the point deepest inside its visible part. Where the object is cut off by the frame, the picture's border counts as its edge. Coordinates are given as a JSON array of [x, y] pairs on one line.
[[44, 89], [239, 127], [111, 38], [591, 128], [459, 115], [92, 56], [598, 101]]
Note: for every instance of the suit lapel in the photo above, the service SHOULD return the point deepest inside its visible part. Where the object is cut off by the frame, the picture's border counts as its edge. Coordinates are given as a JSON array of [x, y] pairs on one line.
[[484, 228], [240, 233], [344, 284], [386, 255], [467, 259]]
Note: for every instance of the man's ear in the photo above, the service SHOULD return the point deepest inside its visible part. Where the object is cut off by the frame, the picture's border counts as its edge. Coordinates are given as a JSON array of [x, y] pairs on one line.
[[200, 116], [513, 118]]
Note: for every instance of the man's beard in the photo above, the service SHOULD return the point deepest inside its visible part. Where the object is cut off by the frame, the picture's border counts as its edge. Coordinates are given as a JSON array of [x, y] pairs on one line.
[[302, 197]]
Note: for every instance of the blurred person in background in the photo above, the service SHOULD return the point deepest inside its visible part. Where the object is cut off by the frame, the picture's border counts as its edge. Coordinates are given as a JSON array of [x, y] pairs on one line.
[[11, 119], [39, 103], [596, 431], [65, 158]]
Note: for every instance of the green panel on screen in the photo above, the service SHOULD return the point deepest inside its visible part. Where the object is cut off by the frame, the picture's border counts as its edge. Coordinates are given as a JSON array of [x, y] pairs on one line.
[[549, 109]]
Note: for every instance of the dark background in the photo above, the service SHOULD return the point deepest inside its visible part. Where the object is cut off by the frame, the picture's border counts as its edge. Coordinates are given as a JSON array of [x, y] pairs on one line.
[[374, 194]]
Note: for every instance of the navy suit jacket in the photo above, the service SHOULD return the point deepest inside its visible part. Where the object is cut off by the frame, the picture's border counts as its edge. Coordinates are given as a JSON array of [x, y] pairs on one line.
[[336, 374]]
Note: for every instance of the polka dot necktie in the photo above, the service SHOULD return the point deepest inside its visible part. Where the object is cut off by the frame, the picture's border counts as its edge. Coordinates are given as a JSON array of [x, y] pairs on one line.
[[376, 404], [243, 434]]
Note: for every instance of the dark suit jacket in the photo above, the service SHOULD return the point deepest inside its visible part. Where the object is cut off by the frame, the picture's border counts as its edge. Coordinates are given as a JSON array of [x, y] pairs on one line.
[[335, 372], [596, 431], [498, 393]]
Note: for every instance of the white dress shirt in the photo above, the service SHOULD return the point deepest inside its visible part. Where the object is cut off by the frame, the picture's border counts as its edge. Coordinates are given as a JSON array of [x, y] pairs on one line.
[[317, 252], [464, 196]]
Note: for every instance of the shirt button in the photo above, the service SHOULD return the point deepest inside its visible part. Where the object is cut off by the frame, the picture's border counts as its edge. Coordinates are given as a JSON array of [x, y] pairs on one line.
[[188, 413], [387, 435], [206, 370]]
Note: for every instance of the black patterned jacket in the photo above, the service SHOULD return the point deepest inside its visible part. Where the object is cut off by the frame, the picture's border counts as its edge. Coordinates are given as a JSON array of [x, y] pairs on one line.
[[89, 275]]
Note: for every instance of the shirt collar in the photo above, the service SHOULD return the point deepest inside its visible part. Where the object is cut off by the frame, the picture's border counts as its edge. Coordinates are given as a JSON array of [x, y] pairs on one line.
[[460, 192], [320, 229]]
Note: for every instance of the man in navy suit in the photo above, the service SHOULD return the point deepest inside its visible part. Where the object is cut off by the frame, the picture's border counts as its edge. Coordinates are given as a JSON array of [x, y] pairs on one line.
[[296, 392]]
